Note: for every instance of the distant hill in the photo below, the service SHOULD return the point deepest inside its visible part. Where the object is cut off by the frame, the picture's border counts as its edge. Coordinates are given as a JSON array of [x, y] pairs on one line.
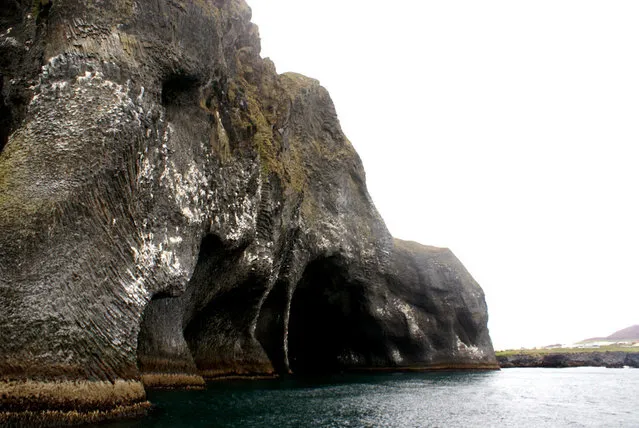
[[625, 335], [629, 333]]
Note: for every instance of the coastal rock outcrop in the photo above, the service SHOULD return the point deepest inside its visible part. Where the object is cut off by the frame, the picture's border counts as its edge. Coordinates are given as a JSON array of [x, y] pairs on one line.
[[609, 359], [172, 209]]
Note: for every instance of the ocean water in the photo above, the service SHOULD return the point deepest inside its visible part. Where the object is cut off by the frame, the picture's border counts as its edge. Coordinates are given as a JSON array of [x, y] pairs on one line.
[[509, 398]]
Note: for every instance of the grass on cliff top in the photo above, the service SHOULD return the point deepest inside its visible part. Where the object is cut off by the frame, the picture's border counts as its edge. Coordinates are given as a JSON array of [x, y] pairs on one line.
[[611, 348]]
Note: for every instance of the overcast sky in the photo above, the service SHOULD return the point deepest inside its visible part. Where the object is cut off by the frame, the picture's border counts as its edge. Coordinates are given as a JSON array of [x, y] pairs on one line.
[[507, 131]]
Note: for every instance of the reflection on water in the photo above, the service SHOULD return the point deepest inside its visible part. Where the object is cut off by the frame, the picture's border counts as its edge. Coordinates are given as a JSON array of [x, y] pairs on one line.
[[513, 397]]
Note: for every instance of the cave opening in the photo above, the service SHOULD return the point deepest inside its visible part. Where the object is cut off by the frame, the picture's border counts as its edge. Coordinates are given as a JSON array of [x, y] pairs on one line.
[[42, 8], [220, 334], [180, 90], [327, 331], [161, 343], [10, 12]]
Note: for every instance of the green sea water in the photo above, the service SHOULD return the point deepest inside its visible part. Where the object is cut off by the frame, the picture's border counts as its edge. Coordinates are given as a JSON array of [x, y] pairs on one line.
[[590, 397]]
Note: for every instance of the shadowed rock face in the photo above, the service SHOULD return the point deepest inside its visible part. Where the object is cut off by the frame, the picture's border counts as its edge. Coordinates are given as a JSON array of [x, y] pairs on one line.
[[171, 207]]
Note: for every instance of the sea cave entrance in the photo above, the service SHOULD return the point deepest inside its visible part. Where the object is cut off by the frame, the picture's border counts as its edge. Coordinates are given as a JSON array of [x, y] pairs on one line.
[[161, 343], [327, 325]]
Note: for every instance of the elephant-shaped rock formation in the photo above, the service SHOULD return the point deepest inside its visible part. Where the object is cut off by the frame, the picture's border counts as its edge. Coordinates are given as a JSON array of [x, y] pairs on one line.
[[172, 209]]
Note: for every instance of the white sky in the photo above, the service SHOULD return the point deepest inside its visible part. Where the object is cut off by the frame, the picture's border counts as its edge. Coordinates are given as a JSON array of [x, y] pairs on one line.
[[505, 130]]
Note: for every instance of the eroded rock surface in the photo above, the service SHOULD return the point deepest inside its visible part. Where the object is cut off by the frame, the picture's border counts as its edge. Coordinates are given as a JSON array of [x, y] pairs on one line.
[[172, 208]]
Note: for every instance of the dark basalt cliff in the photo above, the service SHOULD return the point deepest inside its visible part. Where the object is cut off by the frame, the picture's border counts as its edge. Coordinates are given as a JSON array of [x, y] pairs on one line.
[[171, 209]]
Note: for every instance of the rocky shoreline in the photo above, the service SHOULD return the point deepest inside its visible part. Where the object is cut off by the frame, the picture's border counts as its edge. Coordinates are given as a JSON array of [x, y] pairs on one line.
[[607, 359]]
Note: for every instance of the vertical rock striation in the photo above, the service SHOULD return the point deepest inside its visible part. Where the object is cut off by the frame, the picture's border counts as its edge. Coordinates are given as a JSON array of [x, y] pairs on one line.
[[172, 209]]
